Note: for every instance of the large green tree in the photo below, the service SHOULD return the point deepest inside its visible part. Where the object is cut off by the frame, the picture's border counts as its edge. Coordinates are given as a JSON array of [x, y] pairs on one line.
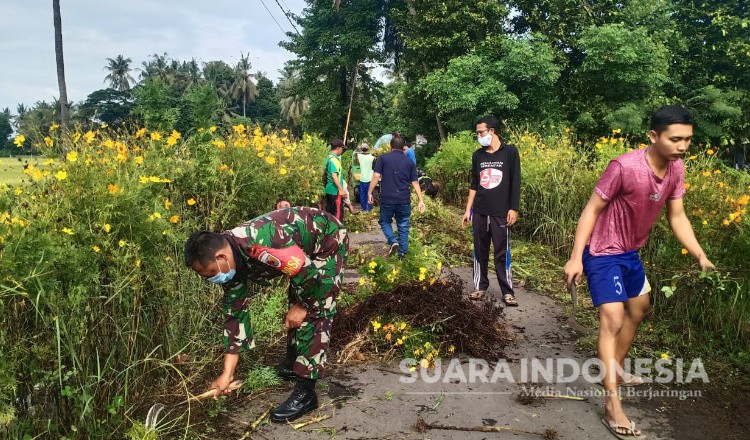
[[332, 44], [265, 108]]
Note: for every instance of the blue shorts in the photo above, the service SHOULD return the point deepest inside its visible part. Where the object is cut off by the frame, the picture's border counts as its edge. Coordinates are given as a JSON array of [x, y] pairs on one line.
[[615, 278]]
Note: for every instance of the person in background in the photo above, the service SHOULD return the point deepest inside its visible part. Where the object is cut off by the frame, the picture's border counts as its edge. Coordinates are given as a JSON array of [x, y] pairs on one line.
[[283, 204], [395, 172], [409, 151], [366, 161], [334, 186]]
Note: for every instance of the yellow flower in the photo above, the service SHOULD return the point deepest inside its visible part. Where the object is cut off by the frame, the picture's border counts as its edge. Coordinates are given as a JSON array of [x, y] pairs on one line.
[[48, 141], [567, 130], [95, 248], [53, 127], [212, 128], [107, 227], [138, 160], [684, 251], [167, 204], [122, 243], [172, 140], [725, 222], [76, 137], [174, 219], [61, 175], [424, 363], [112, 188], [664, 356], [373, 264], [155, 136], [191, 202], [19, 140], [375, 325], [138, 263], [451, 349], [89, 136], [705, 222], [18, 191], [616, 131], [362, 281], [223, 167], [139, 134], [692, 157], [72, 156], [282, 171], [710, 152], [271, 160], [218, 143], [67, 231]]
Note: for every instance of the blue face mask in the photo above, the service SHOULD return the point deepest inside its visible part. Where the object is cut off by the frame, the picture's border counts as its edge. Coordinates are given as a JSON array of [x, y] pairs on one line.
[[222, 277]]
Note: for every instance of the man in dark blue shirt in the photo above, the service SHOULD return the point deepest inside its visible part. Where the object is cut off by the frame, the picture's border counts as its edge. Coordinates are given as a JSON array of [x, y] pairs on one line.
[[395, 171]]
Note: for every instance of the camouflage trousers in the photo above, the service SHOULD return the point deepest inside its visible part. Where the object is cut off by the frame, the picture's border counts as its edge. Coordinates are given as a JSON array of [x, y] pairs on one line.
[[311, 339]]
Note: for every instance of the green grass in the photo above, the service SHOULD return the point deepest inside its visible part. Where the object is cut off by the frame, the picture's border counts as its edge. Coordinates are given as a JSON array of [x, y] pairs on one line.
[[11, 168]]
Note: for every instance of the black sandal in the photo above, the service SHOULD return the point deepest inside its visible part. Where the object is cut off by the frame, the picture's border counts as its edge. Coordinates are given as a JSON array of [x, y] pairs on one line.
[[510, 301]]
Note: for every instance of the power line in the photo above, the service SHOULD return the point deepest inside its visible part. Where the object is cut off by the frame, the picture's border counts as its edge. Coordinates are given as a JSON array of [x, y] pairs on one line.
[[286, 14], [274, 18]]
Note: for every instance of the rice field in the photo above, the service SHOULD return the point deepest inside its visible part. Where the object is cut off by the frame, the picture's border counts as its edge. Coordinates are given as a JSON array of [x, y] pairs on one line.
[[11, 168]]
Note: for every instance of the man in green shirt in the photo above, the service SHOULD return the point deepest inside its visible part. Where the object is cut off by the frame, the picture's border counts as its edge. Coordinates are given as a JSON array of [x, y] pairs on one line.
[[335, 193], [366, 161]]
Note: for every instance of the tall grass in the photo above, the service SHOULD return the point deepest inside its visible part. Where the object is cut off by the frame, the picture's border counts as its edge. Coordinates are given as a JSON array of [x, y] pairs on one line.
[[95, 300]]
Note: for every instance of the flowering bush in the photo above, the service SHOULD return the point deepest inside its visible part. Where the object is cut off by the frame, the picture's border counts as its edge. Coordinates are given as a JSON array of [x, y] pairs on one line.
[[94, 295]]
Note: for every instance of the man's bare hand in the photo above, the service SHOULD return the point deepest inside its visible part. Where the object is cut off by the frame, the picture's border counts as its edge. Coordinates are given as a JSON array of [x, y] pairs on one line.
[[705, 264], [511, 218], [220, 384], [572, 270], [465, 219], [295, 316]]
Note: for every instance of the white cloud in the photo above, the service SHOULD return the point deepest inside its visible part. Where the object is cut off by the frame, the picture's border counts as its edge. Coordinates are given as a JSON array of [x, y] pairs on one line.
[[94, 30]]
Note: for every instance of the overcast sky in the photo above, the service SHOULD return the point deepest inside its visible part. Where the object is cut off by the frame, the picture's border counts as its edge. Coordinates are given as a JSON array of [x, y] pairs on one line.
[[94, 30]]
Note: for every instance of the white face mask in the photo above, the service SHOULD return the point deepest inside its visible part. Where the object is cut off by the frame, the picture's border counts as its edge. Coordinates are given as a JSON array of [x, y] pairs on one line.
[[485, 140]]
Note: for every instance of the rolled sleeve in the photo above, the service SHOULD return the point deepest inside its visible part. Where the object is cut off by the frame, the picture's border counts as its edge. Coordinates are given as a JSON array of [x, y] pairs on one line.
[[238, 334]]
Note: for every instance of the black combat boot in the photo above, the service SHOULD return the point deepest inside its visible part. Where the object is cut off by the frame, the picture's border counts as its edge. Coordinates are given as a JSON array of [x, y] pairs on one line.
[[285, 367], [302, 401]]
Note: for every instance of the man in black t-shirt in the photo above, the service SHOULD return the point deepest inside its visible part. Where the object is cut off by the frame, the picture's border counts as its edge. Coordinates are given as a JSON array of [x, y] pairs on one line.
[[492, 207], [395, 172]]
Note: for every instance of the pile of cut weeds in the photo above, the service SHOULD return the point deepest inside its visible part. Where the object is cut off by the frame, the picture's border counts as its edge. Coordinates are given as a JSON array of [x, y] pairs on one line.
[[474, 329]]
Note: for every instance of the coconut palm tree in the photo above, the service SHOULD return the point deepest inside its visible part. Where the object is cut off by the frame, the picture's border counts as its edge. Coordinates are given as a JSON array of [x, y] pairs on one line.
[[119, 73], [57, 20], [243, 87], [292, 103]]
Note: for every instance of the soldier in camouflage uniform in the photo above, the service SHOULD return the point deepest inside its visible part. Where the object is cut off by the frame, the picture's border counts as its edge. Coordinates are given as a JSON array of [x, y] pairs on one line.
[[310, 247]]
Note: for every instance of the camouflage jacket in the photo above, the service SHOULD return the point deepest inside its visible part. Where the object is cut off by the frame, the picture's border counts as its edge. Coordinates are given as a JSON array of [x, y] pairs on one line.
[[301, 243]]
